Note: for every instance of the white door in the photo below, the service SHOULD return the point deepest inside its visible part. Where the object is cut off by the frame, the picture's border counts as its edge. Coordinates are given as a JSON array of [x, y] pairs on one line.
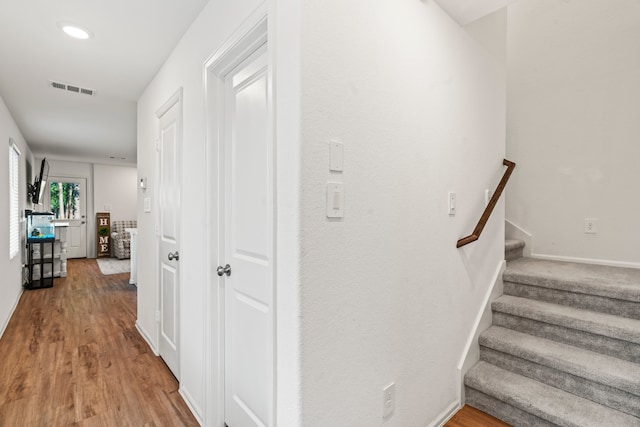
[[170, 149], [67, 199], [248, 220]]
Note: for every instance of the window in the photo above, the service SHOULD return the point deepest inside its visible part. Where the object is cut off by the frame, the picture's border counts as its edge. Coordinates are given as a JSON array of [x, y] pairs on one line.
[[14, 200]]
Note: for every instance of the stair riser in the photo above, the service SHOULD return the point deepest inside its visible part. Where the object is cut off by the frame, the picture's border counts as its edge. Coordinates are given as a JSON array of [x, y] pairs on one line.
[[502, 410], [588, 302], [512, 254], [624, 350], [599, 393]]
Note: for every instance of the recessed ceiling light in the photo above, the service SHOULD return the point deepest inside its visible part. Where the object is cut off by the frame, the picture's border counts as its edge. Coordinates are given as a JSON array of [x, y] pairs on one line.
[[74, 31]]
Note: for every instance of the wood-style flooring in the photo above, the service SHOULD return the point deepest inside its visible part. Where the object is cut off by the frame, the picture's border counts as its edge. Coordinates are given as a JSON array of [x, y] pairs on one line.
[[71, 356], [468, 416]]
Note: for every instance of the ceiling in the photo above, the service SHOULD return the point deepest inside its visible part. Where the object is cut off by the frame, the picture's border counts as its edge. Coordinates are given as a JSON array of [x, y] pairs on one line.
[[131, 40], [466, 11]]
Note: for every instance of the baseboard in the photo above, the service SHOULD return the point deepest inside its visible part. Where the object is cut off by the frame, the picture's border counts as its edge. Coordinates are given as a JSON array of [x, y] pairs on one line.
[[482, 322], [13, 309], [606, 262], [446, 415], [145, 336], [188, 399], [513, 231]]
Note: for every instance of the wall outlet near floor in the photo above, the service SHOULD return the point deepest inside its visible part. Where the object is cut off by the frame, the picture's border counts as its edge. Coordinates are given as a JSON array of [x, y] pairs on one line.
[[388, 400], [590, 226]]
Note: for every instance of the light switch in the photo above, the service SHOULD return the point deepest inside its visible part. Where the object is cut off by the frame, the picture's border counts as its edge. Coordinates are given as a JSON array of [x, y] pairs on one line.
[[452, 203], [147, 204], [335, 200], [336, 156]]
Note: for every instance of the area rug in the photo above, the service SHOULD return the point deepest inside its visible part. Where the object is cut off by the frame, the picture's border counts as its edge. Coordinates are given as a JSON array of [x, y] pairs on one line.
[[113, 265]]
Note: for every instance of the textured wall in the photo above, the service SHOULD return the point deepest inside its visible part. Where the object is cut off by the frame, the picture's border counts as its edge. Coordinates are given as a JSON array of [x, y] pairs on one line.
[[116, 186], [573, 126], [385, 294]]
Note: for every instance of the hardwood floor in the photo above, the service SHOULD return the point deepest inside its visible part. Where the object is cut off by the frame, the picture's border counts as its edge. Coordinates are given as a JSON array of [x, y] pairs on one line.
[[468, 416], [71, 356]]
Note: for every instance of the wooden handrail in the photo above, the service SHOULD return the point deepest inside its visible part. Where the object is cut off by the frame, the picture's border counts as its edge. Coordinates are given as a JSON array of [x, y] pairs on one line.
[[489, 209]]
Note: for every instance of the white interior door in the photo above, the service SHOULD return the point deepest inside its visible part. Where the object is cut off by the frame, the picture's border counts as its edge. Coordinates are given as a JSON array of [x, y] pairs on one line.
[[248, 244], [67, 199], [170, 149]]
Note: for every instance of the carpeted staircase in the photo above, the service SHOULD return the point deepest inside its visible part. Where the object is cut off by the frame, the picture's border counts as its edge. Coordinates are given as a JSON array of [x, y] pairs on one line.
[[564, 348]]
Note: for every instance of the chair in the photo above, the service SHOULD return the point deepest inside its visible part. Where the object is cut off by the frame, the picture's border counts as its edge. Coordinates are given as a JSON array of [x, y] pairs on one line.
[[120, 239]]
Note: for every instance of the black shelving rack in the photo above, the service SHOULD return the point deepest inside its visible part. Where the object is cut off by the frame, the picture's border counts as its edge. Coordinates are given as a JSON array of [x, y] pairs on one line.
[[45, 278]]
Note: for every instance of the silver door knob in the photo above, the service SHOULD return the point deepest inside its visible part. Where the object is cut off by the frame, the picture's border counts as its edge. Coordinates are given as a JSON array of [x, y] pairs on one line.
[[175, 255], [224, 270]]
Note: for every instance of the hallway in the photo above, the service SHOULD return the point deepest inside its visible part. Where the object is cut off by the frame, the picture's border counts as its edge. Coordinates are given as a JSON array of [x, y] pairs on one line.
[[71, 355]]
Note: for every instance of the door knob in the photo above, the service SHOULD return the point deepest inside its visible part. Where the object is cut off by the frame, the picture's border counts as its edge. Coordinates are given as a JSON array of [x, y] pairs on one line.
[[175, 255], [224, 270]]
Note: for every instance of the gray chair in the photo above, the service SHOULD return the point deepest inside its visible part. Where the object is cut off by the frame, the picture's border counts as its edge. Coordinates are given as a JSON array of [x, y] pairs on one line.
[[120, 239]]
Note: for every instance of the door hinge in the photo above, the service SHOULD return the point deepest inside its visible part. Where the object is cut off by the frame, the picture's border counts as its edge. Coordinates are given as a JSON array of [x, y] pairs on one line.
[[158, 145], [157, 316]]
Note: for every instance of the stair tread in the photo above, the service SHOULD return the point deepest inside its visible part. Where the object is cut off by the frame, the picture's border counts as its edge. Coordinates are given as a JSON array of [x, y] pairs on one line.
[[608, 325], [510, 244], [612, 282], [586, 364], [551, 404]]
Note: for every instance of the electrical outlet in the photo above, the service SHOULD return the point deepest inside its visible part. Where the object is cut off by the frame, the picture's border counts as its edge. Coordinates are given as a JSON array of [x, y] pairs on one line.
[[590, 226], [388, 400]]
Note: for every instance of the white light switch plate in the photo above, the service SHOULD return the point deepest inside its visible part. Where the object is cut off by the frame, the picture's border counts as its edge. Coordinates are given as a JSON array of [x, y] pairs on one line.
[[335, 200], [336, 156], [147, 204], [452, 203]]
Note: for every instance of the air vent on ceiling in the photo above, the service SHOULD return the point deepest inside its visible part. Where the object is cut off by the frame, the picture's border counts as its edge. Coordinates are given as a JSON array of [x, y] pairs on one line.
[[72, 88]]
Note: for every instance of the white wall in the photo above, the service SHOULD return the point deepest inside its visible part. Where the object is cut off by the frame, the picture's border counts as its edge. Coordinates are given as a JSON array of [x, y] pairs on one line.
[[386, 296], [115, 190], [573, 126], [11, 284], [382, 295]]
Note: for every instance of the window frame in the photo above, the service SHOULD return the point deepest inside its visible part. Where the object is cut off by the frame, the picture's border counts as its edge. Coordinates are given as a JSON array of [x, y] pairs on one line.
[[14, 199]]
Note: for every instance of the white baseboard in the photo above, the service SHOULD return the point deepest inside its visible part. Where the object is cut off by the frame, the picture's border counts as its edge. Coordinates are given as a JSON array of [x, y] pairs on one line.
[[496, 280], [188, 399], [145, 336], [482, 322], [513, 231], [13, 309], [605, 262], [446, 415]]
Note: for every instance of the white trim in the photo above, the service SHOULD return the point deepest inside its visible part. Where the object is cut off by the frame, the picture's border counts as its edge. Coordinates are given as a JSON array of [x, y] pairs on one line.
[[497, 276], [606, 262], [14, 200], [249, 36], [191, 403], [145, 336], [13, 145], [173, 100], [514, 231], [446, 415], [13, 309], [483, 317]]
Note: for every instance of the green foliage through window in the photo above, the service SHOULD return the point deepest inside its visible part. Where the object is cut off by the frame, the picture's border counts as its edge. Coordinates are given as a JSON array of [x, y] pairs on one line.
[[65, 198]]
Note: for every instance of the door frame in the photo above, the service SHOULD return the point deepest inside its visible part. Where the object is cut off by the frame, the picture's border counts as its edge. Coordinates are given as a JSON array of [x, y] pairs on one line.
[[252, 34], [73, 178], [176, 98]]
